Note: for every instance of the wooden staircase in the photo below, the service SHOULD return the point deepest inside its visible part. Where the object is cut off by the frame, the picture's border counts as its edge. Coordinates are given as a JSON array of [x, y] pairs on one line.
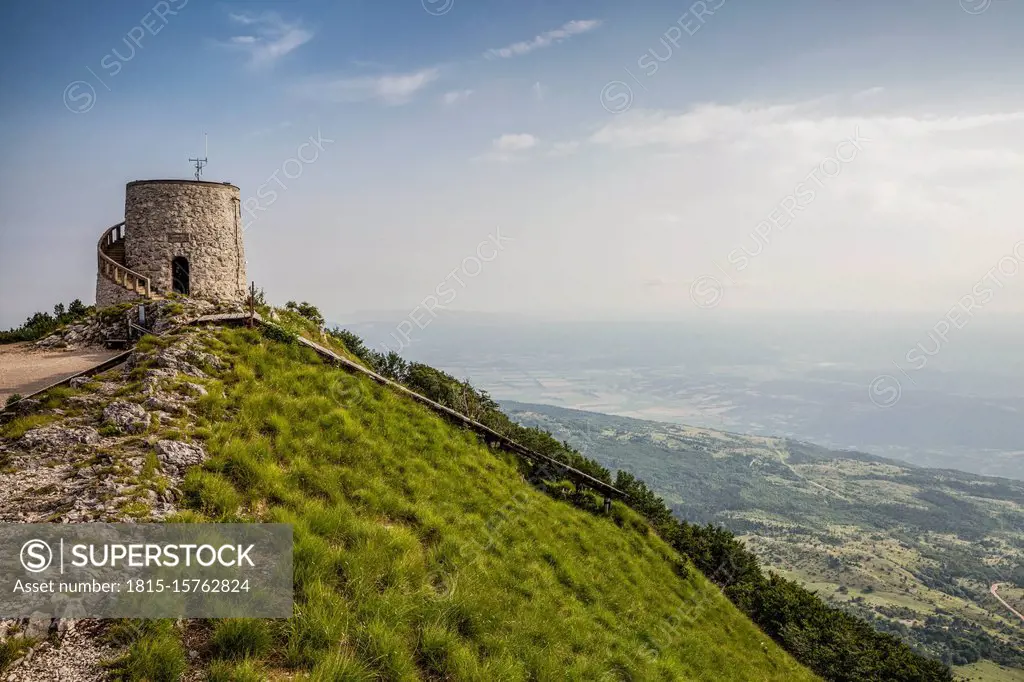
[[111, 261]]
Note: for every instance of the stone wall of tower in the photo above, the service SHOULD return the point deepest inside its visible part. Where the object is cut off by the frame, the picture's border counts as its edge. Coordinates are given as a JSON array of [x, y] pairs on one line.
[[108, 293], [200, 221]]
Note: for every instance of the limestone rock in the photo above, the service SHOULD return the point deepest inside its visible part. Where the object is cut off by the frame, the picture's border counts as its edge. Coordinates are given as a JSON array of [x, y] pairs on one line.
[[165, 404], [195, 389], [93, 330], [151, 382], [78, 657], [37, 627], [128, 417], [26, 405], [179, 361], [178, 456], [60, 437]]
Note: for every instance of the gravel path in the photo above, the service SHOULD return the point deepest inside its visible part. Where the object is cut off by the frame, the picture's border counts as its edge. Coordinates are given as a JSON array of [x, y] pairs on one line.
[[25, 369], [995, 594]]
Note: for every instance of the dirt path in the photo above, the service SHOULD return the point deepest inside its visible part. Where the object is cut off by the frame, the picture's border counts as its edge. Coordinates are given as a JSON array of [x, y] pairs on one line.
[[25, 369], [995, 586]]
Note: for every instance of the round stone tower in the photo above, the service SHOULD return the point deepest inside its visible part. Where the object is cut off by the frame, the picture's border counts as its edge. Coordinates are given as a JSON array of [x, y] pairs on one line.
[[178, 236]]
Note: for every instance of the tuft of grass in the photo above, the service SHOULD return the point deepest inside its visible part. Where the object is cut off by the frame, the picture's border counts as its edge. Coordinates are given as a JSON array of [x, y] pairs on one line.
[[342, 666], [57, 396], [151, 342], [155, 653], [211, 494], [13, 648], [109, 430], [19, 427], [242, 671], [238, 638]]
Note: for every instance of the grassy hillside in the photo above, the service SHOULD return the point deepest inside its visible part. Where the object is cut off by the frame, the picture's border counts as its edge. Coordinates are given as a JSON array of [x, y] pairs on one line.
[[912, 550], [422, 554]]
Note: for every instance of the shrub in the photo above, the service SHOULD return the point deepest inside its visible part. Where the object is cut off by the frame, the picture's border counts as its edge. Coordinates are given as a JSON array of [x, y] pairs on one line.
[[306, 310], [41, 324], [280, 334]]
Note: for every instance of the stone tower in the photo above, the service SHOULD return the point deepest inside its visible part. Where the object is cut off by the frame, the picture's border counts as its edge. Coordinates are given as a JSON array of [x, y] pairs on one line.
[[178, 236]]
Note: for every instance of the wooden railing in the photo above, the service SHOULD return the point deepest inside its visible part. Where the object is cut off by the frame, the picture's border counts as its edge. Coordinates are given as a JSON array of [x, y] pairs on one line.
[[114, 271], [580, 478]]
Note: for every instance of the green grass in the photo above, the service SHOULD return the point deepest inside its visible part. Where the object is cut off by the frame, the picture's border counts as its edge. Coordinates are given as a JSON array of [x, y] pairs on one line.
[[927, 543], [13, 648], [242, 671], [987, 671], [421, 554], [19, 427], [155, 652], [239, 638], [57, 396]]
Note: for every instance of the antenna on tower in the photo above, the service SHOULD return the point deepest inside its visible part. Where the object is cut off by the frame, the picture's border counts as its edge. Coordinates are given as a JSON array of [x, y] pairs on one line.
[[201, 163]]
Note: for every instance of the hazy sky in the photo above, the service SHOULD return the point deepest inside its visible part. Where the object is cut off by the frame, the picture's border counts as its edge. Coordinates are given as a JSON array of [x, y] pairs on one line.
[[628, 157]]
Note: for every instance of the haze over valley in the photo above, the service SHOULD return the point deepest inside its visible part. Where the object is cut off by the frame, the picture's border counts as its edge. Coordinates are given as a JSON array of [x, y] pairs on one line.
[[808, 377]]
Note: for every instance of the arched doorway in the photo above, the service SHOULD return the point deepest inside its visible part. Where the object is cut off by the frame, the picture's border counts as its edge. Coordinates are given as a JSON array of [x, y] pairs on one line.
[[180, 275]]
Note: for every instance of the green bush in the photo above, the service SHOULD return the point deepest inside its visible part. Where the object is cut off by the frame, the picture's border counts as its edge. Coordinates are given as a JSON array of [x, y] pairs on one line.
[[306, 310], [277, 333], [42, 324]]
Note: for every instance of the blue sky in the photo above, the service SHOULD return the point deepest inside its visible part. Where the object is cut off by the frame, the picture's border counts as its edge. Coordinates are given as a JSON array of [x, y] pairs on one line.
[[448, 120]]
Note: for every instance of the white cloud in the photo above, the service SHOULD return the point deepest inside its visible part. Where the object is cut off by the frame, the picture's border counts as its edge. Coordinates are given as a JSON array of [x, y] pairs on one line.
[[869, 93], [544, 39], [454, 96], [271, 39], [510, 147], [922, 210], [391, 89], [244, 19], [513, 142], [560, 149], [794, 127], [538, 91]]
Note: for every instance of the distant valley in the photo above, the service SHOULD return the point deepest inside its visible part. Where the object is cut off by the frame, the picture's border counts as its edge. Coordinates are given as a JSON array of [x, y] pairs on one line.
[[801, 377], [916, 551]]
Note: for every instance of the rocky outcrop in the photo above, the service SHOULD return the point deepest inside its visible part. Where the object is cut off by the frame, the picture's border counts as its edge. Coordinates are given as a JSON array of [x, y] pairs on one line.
[[176, 456], [127, 417], [94, 330], [76, 469], [79, 656], [56, 437], [112, 322]]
